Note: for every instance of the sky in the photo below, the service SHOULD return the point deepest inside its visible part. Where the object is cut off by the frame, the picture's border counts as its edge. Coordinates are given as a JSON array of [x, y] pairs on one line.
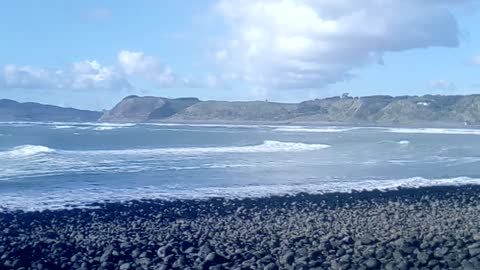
[[90, 54]]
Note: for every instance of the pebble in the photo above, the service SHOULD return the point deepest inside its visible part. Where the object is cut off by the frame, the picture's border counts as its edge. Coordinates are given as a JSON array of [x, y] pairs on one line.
[[427, 228]]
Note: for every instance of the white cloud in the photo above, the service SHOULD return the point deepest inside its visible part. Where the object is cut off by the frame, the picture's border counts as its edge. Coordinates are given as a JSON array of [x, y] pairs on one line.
[[148, 67], [91, 75], [84, 75], [137, 62], [312, 43], [442, 85]]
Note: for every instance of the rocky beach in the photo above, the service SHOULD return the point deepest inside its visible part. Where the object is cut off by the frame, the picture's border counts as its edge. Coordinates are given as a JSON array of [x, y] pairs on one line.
[[426, 228]]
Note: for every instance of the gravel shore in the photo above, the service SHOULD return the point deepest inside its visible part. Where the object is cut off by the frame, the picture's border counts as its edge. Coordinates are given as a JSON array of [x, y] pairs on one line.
[[426, 228]]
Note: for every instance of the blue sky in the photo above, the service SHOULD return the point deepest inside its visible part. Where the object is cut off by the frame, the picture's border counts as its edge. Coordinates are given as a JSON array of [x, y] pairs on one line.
[[90, 54]]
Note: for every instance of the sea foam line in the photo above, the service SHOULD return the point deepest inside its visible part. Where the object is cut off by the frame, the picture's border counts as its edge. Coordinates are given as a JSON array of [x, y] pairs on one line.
[[434, 131], [265, 147], [313, 129], [84, 198]]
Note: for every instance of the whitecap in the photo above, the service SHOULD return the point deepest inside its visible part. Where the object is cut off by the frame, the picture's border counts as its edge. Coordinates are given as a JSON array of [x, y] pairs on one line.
[[26, 151], [203, 125], [434, 131], [84, 197], [312, 129], [265, 147], [105, 128], [63, 127]]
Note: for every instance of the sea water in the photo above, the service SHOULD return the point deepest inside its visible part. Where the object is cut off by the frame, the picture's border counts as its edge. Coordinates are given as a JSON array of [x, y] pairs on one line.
[[68, 165]]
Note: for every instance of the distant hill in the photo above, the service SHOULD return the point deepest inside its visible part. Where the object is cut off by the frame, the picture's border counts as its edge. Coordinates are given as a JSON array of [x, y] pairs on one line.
[[429, 110], [426, 110], [11, 110], [143, 109]]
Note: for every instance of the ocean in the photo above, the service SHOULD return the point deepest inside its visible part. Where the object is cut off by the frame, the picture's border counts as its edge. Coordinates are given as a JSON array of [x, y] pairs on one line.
[[69, 165]]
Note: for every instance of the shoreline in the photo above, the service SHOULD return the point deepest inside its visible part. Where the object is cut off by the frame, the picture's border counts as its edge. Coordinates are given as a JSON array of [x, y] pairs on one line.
[[397, 229], [419, 125]]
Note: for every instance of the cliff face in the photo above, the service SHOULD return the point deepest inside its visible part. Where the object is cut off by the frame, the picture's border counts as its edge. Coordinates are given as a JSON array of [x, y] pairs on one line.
[[362, 110], [237, 111], [34, 112], [142, 109]]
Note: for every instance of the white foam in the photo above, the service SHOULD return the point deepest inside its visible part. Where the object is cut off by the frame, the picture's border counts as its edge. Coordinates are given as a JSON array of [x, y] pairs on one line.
[[311, 129], [434, 131], [265, 147], [73, 198], [203, 125], [63, 127], [404, 142], [26, 151], [105, 128]]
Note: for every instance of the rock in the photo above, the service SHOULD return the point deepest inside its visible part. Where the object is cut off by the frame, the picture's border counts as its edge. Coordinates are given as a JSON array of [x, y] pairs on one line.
[[407, 248], [125, 266], [136, 253], [204, 250], [372, 263], [271, 266], [439, 253], [190, 250], [106, 254], [75, 258], [314, 255], [397, 255], [367, 239], [423, 257], [288, 258], [214, 259], [143, 262], [164, 251], [474, 252], [468, 265], [179, 263]]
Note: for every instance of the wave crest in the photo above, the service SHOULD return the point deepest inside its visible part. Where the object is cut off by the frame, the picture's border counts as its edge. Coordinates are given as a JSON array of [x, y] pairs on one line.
[[83, 198], [265, 147], [313, 129], [27, 151], [445, 131]]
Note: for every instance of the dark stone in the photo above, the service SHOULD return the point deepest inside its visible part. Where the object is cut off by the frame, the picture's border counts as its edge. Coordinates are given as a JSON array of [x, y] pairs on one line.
[[164, 251], [288, 258], [474, 252], [214, 259], [372, 263], [271, 266], [125, 266]]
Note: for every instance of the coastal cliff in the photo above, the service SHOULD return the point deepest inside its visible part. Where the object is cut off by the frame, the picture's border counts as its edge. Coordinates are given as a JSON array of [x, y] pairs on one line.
[[431, 109]]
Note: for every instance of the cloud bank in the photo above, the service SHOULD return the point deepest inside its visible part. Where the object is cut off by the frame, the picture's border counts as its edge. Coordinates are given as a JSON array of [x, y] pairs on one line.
[[273, 45], [285, 44], [91, 75], [80, 76]]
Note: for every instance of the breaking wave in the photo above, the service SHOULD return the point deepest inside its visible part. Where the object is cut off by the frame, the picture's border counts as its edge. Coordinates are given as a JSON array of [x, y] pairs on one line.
[[26, 151], [265, 147], [81, 198], [434, 131], [312, 129]]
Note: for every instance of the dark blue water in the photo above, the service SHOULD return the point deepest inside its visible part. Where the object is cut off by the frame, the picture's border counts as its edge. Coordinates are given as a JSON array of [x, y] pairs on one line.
[[58, 165]]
